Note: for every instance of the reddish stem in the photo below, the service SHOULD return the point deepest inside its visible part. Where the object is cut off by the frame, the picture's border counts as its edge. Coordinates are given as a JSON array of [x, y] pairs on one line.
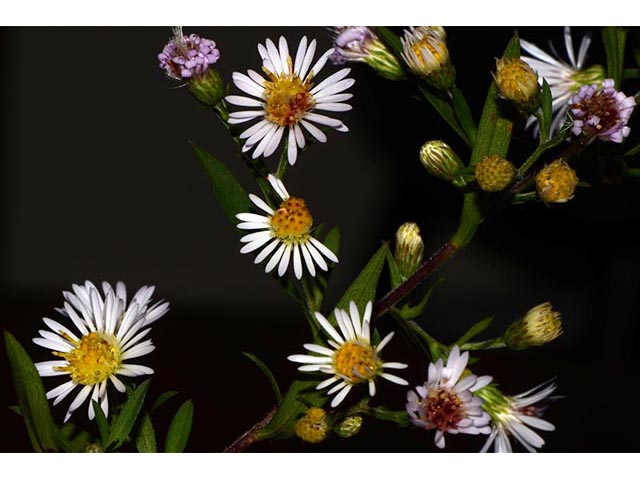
[[245, 440]]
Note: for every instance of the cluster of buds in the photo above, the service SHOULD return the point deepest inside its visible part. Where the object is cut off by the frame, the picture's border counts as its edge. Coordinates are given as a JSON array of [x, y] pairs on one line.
[[426, 54], [313, 426], [494, 173], [540, 325], [442, 162], [409, 249], [361, 44], [603, 112], [518, 82], [556, 182], [189, 58]]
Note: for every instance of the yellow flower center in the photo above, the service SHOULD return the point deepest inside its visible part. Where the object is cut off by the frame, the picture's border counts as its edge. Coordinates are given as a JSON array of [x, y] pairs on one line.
[[95, 358], [288, 98], [356, 362], [439, 55], [292, 220]]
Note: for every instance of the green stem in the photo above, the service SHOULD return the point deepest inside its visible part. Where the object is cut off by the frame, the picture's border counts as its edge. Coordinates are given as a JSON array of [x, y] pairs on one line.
[[522, 198], [283, 165], [470, 220], [557, 140], [484, 345], [633, 172]]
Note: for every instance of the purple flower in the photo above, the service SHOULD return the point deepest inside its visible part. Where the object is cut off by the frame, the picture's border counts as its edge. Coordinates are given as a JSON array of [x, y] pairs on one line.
[[187, 57], [350, 44], [602, 112]]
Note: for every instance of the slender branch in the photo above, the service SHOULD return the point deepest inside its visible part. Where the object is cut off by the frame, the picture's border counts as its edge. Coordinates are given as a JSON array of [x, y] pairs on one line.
[[249, 437], [484, 344]]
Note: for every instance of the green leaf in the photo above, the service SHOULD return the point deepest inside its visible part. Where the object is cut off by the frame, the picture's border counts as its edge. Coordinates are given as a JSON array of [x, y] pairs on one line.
[[614, 39], [267, 373], [299, 396], [440, 101], [463, 114], [475, 330], [162, 399], [103, 425], [146, 439], [31, 397], [546, 113], [391, 40], [494, 131], [71, 439], [409, 313], [15, 409], [332, 240], [123, 424], [634, 151], [228, 191], [394, 274], [180, 429]]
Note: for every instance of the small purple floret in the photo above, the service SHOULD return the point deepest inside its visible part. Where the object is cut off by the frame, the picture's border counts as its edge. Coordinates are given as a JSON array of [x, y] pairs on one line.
[[186, 57], [350, 44], [602, 112]]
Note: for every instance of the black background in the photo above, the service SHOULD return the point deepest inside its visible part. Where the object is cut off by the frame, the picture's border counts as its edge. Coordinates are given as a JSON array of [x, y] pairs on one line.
[[99, 182]]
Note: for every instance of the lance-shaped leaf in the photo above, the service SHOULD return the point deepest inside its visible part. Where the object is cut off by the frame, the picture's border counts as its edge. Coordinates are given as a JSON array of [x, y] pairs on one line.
[[162, 399], [267, 373], [475, 330], [614, 39], [31, 396], [103, 425], [146, 439], [409, 313], [441, 102], [232, 197], [124, 422], [546, 112], [180, 429], [394, 273], [71, 439], [391, 40]]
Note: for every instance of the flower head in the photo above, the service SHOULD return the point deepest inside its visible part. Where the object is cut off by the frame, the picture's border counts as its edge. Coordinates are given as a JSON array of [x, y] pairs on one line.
[[556, 182], [446, 402], [602, 112], [409, 249], [516, 417], [540, 325], [425, 52], [440, 160], [563, 78], [287, 228], [352, 359], [287, 99], [361, 44], [187, 57], [313, 426], [350, 426], [518, 82], [110, 334], [494, 173]]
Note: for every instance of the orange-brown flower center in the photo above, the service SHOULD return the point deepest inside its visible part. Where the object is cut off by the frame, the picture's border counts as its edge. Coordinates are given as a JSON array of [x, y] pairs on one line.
[[288, 98], [356, 362], [443, 407], [292, 219]]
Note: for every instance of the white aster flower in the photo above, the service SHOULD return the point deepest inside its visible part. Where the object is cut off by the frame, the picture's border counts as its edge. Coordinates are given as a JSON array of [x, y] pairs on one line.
[[288, 228], [110, 333], [564, 78], [446, 402], [516, 416], [352, 360], [287, 99]]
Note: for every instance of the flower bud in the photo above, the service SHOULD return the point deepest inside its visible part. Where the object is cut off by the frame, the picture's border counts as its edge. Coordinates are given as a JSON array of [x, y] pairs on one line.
[[425, 53], [518, 82], [441, 161], [350, 426], [556, 182], [494, 173], [540, 325], [190, 59], [93, 448], [409, 249], [313, 426]]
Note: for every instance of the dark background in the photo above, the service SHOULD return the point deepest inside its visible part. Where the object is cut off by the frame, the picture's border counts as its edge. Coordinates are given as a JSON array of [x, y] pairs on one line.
[[98, 181]]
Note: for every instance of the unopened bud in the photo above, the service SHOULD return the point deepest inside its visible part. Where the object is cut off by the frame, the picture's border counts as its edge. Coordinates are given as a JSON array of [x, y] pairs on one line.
[[409, 249], [313, 426], [350, 426], [93, 448], [518, 82], [494, 173], [556, 182], [540, 325], [426, 54], [208, 88], [441, 161]]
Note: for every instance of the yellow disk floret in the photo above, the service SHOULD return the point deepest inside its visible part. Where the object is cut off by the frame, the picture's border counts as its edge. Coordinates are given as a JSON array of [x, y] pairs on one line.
[[356, 362], [518, 82], [556, 182], [292, 220], [288, 98], [313, 426], [494, 173], [95, 358]]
